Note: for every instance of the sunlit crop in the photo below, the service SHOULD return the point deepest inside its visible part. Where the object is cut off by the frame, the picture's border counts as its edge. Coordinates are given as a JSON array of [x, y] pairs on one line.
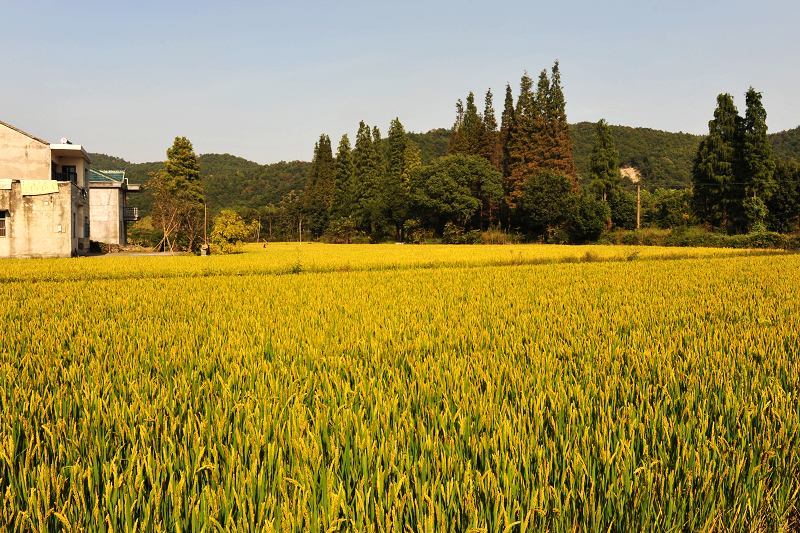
[[394, 388]]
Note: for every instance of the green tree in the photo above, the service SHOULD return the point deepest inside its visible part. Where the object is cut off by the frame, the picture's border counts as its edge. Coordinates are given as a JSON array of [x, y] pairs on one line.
[[784, 204], [604, 162], [547, 205], [558, 156], [520, 145], [758, 164], [320, 189], [468, 132], [412, 162], [540, 140], [453, 189], [178, 197], [230, 230], [504, 138], [368, 171], [716, 192], [588, 219], [394, 197], [489, 147], [344, 176]]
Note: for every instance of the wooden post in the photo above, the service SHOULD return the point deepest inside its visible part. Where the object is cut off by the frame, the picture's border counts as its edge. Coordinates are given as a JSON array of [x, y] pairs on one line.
[[638, 205]]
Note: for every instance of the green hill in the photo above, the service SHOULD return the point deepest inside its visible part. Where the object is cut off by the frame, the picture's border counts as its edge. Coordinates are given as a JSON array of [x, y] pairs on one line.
[[229, 180], [786, 144], [664, 158]]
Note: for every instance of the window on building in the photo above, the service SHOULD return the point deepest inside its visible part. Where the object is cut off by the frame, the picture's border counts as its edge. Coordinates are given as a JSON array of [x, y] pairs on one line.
[[85, 227], [3, 218], [68, 173]]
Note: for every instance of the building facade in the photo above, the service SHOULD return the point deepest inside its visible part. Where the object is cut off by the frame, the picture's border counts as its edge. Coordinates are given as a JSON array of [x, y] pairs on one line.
[[44, 196], [108, 201]]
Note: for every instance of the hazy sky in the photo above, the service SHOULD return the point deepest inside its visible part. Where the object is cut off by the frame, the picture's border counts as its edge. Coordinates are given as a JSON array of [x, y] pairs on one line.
[[263, 79]]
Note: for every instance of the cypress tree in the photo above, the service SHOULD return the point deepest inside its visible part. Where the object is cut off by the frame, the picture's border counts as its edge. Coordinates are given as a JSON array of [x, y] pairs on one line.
[[320, 190], [604, 162], [504, 148], [541, 143], [367, 171], [520, 148], [716, 191], [345, 170], [394, 201], [489, 147], [758, 164], [559, 157], [456, 141], [468, 135], [397, 142]]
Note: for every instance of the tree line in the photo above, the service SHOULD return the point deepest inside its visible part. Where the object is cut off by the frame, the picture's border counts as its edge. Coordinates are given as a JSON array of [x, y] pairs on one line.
[[516, 176]]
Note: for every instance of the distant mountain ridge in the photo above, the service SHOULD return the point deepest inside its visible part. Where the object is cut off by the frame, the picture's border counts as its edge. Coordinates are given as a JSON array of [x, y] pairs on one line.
[[665, 159]]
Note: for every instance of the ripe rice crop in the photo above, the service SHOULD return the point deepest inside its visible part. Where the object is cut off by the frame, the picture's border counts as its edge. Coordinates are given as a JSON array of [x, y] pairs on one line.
[[425, 389]]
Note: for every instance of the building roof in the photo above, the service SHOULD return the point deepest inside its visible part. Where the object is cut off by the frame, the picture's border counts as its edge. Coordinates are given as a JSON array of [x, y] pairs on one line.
[[25, 133], [70, 150], [106, 176]]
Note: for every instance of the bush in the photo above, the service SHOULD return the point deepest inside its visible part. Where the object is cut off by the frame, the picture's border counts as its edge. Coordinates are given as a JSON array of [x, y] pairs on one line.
[[589, 219], [341, 231], [415, 233], [497, 236], [454, 234], [143, 234], [229, 232]]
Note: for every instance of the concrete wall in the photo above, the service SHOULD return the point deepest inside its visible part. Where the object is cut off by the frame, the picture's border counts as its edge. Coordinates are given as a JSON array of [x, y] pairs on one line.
[[105, 206], [40, 226], [23, 158]]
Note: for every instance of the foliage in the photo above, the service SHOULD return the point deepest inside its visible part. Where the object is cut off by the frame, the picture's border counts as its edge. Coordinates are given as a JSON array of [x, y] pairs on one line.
[[178, 198], [341, 231], [784, 205], [605, 177], [667, 208], [143, 233], [230, 231], [454, 189], [588, 220], [733, 174], [547, 204]]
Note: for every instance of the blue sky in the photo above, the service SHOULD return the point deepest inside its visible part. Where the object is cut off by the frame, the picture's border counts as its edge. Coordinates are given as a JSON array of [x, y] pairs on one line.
[[263, 79]]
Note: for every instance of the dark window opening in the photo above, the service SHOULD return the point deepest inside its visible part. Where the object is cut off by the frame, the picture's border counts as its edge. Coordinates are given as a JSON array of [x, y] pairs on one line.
[[3, 217], [68, 173]]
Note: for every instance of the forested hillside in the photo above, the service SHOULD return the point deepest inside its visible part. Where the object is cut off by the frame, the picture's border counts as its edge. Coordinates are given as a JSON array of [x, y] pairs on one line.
[[228, 180], [786, 144], [665, 159]]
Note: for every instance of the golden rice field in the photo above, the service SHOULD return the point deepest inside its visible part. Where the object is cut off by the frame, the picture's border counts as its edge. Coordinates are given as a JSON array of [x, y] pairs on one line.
[[402, 388]]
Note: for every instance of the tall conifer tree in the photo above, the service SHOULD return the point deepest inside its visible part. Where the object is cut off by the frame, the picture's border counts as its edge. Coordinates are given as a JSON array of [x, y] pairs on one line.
[[758, 163], [716, 191], [505, 134], [320, 190], [489, 147], [520, 148], [604, 162], [559, 157], [394, 202], [345, 171], [367, 171]]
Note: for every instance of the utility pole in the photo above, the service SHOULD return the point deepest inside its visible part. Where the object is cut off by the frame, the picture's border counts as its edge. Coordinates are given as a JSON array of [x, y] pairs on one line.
[[300, 233], [638, 205]]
